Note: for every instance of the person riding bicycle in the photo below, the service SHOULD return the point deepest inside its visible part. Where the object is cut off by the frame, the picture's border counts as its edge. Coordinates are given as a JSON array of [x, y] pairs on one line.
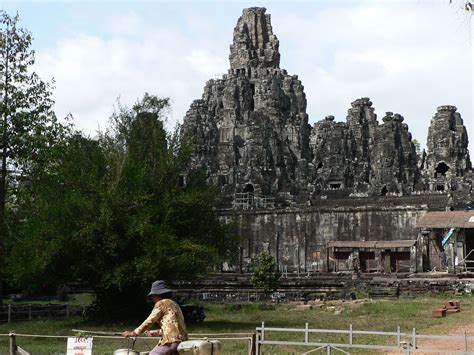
[[167, 314]]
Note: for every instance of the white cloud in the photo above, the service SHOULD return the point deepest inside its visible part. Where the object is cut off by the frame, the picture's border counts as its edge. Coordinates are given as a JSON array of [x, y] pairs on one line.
[[206, 64], [408, 57], [91, 72]]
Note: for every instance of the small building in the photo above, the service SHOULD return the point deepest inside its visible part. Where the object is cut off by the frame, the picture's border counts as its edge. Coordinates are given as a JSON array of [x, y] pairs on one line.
[[447, 241], [373, 256]]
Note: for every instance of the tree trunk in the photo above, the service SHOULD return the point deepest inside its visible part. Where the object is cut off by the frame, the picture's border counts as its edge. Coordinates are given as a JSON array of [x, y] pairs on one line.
[[3, 177]]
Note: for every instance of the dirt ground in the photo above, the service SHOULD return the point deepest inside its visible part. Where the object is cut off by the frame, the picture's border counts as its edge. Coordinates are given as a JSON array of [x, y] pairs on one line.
[[446, 344]]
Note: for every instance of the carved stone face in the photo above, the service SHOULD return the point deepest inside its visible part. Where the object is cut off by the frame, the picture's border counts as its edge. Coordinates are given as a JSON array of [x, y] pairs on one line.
[[387, 161]]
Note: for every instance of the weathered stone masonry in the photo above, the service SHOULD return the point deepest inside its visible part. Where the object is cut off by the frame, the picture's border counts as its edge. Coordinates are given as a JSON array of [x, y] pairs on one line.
[[295, 188]]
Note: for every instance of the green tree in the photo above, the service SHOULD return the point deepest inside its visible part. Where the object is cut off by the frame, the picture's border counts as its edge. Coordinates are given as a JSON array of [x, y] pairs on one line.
[[118, 213], [28, 126], [54, 229], [265, 274], [158, 219]]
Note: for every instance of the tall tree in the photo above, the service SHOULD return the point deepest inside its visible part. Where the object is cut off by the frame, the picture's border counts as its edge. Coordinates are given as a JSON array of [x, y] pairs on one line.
[[28, 126], [159, 219], [117, 213], [54, 229]]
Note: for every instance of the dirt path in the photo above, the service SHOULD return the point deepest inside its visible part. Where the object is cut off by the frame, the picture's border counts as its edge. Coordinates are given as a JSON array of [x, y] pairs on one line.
[[444, 344], [450, 344]]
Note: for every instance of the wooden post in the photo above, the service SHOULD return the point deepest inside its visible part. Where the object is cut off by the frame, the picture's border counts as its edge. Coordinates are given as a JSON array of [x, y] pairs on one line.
[[465, 341], [29, 312], [252, 348], [9, 313], [12, 343], [49, 310], [414, 338], [67, 309], [406, 348], [398, 336], [306, 333], [257, 344], [350, 334]]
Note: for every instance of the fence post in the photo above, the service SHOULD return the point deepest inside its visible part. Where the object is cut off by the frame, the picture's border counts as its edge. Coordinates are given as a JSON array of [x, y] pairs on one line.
[[406, 348], [257, 343], [12, 343], [67, 309], [29, 312], [414, 338], [49, 310], [398, 336], [263, 331], [328, 349], [306, 335], [253, 342], [465, 341], [9, 313], [350, 334]]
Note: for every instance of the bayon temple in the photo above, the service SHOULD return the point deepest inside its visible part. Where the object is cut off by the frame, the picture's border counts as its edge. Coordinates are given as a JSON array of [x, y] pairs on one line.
[[318, 197]]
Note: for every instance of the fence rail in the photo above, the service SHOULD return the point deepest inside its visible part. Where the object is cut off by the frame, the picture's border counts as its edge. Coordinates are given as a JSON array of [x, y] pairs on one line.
[[405, 342], [15, 349], [9, 313]]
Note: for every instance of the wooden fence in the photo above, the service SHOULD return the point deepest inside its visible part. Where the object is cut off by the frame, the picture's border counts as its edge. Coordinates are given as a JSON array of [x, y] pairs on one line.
[[406, 343], [25, 312], [246, 339]]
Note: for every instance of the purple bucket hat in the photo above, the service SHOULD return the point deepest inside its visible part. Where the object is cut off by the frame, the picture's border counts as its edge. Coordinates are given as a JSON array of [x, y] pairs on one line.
[[158, 288]]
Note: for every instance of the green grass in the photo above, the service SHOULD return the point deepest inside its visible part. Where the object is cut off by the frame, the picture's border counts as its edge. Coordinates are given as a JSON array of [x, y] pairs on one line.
[[382, 315]]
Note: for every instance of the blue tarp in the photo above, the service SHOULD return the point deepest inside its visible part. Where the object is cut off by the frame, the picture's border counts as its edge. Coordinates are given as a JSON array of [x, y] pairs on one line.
[[448, 235]]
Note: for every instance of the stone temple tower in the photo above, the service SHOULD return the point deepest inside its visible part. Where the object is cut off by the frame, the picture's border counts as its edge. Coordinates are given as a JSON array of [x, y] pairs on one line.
[[251, 137], [447, 158], [250, 127]]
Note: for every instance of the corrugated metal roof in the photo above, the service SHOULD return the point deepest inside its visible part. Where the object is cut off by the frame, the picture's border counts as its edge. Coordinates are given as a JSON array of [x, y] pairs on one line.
[[372, 244], [460, 219]]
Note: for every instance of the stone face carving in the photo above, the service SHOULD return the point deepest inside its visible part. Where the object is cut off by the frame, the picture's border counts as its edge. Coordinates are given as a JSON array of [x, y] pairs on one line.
[[251, 127], [252, 136], [447, 159], [393, 159], [255, 45], [331, 150]]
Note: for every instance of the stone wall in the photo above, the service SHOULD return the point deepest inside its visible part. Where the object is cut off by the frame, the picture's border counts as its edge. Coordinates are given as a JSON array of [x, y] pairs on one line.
[[237, 288], [298, 238]]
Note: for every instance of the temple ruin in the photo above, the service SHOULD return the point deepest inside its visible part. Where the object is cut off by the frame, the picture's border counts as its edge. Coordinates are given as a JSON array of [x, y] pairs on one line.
[[319, 197]]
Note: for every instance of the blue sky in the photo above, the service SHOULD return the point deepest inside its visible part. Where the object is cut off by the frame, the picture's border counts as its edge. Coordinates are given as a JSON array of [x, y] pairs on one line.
[[408, 56]]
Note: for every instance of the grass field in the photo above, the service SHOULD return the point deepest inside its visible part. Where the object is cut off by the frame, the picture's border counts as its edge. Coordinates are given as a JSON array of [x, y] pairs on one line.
[[383, 315]]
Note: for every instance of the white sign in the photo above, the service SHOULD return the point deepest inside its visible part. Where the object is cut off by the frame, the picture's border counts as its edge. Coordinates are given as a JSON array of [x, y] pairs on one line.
[[79, 346], [471, 219]]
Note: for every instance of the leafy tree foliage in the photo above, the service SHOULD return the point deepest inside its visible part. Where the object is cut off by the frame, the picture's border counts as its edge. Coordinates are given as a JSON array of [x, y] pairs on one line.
[[265, 274], [28, 126], [158, 220], [55, 226], [120, 212]]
